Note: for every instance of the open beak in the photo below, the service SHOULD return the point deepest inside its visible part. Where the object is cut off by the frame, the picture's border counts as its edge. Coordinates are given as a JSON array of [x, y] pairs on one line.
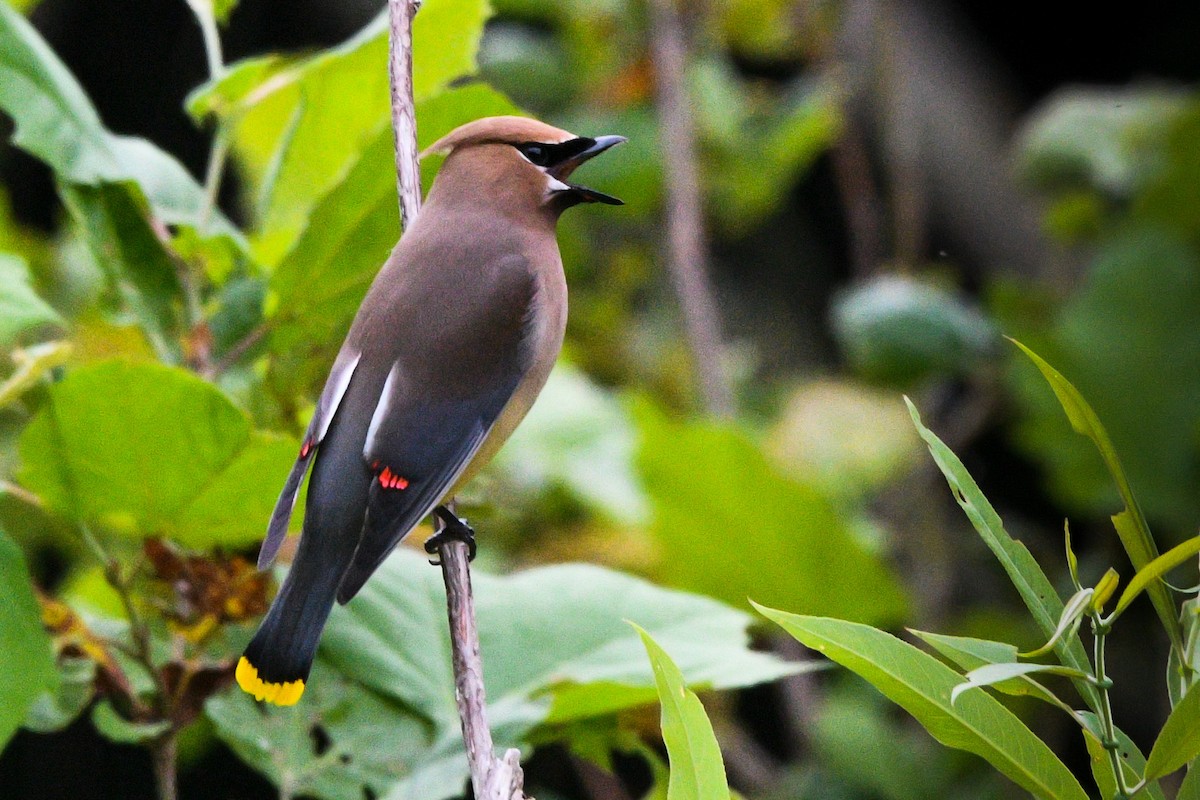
[[564, 168]]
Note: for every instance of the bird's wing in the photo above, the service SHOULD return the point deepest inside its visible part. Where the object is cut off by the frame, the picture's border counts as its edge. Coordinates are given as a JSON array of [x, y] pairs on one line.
[[327, 406], [430, 422]]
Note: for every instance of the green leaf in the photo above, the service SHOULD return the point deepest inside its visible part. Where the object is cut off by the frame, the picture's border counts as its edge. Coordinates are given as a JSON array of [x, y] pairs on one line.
[[115, 728], [146, 450], [32, 365], [554, 640], [729, 524], [1130, 524], [1133, 763], [1068, 622], [969, 654], [1179, 740], [57, 123], [342, 742], [697, 770], [56, 709], [26, 657], [1031, 583], [304, 125], [118, 232], [1155, 570], [991, 674], [322, 279], [921, 685], [1190, 788], [20, 306]]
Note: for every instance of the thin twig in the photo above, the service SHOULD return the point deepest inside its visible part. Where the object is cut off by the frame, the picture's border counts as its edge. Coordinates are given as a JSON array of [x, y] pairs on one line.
[[492, 778], [686, 239], [404, 114], [237, 350]]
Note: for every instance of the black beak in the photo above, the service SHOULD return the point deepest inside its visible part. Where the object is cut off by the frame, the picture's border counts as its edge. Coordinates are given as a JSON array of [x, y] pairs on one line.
[[565, 167]]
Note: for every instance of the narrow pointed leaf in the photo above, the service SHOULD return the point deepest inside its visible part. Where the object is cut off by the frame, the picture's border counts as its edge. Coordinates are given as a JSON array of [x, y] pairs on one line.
[[921, 685], [1072, 561], [1031, 583], [1155, 570], [697, 770], [991, 674], [969, 654], [1131, 525], [1179, 740], [1068, 621]]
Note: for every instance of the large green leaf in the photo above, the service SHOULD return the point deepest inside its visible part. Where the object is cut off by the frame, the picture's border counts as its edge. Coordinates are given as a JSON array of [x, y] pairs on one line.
[[56, 122], [1131, 525], [343, 742], [921, 685], [20, 306], [1023, 571], [302, 126], [554, 641], [729, 524], [321, 280], [26, 657], [1179, 740], [145, 449], [697, 770]]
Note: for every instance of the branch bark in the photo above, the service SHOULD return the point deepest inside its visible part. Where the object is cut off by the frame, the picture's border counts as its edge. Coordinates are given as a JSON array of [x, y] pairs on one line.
[[492, 778], [686, 238], [404, 113]]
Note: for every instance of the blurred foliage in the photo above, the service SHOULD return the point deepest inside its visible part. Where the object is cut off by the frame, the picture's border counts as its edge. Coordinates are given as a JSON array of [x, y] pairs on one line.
[[1123, 193]]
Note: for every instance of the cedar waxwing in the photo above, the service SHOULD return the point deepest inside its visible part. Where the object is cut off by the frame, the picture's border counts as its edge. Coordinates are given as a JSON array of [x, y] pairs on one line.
[[453, 342]]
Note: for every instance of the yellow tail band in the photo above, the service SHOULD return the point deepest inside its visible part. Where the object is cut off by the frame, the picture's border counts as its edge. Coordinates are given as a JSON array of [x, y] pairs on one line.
[[281, 694]]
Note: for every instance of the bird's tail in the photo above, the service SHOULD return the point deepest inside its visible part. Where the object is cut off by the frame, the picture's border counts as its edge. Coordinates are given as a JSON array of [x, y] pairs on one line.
[[278, 659]]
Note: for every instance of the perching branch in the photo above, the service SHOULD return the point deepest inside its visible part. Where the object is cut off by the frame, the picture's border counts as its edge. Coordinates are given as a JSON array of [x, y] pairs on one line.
[[686, 245], [492, 778], [404, 113]]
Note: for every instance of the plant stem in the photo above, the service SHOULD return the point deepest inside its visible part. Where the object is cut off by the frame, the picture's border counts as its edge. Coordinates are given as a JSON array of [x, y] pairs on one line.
[[1103, 684], [163, 751]]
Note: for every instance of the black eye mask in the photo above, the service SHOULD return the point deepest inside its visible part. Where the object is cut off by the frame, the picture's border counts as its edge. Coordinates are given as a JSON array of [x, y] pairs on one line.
[[560, 160]]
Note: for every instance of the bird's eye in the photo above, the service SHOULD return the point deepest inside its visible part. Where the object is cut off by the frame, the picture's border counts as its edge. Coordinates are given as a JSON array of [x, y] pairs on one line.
[[536, 153]]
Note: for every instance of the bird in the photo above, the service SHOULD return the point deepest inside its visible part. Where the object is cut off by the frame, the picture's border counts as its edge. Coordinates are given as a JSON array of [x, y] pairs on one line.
[[453, 342]]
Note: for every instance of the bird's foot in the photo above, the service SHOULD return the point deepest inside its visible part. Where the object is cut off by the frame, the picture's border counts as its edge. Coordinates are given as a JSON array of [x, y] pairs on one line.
[[454, 529]]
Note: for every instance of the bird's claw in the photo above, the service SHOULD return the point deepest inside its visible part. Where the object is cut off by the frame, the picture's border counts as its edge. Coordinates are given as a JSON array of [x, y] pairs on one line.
[[454, 529]]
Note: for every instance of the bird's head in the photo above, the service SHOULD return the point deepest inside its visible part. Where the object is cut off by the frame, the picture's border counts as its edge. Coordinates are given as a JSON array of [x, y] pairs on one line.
[[516, 162]]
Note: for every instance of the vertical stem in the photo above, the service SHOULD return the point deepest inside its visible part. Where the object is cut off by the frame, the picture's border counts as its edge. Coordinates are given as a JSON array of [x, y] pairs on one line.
[[404, 116], [492, 778], [163, 752], [468, 667], [1103, 684], [686, 239]]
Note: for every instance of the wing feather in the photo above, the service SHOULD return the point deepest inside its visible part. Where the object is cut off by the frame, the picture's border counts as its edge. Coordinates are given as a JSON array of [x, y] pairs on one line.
[[327, 406]]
